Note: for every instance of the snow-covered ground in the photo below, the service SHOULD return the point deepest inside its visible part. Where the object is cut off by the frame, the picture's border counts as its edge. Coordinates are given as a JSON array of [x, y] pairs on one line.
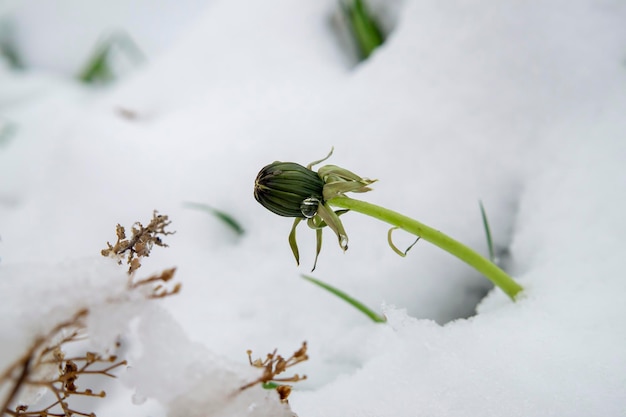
[[518, 104]]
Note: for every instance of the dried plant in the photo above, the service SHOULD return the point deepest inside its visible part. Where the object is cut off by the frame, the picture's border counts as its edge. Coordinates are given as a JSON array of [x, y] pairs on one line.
[[274, 365], [141, 242], [46, 368], [159, 289]]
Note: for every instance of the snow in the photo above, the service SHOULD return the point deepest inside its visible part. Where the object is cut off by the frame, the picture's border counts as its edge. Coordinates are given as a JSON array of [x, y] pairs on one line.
[[517, 104], [47, 294]]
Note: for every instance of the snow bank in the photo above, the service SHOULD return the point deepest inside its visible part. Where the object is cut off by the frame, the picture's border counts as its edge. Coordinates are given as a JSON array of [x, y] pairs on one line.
[[519, 105]]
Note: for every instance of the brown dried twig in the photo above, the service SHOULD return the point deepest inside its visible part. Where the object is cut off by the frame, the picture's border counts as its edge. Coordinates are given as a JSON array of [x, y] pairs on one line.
[[139, 246], [141, 242], [159, 290], [274, 365], [46, 352], [45, 365]]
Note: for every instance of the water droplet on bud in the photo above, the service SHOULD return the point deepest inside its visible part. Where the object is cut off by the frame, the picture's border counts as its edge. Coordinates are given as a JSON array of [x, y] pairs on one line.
[[309, 207]]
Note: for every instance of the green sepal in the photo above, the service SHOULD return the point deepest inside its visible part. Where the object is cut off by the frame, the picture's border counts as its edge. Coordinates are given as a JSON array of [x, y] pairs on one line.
[[394, 247], [334, 189], [292, 240], [318, 246], [339, 180], [332, 220], [334, 172], [310, 166]]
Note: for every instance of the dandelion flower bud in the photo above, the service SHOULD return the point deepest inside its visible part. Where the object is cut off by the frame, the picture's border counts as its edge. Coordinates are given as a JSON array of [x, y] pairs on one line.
[[289, 189]]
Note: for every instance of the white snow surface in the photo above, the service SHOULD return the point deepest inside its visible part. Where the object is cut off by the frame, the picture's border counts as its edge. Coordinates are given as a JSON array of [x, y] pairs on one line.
[[518, 104]]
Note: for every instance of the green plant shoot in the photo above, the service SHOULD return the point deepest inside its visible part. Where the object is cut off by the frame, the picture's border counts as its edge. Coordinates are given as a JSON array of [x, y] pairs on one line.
[[363, 27], [375, 317], [289, 189], [492, 255], [100, 67], [226, 218]]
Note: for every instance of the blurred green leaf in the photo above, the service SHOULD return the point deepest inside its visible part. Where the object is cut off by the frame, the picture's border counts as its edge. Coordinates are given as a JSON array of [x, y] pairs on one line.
[[8, 50], [101, 66], [7, 131], [10, 54], [377, 318], [363, 26], [226, 218]]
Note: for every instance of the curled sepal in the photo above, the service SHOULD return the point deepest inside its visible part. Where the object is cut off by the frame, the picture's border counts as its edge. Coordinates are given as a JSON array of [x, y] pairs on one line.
[[394, 247], [338, 181], [332, 220], [292, 240], [317, 224], [318, 246], [310, 166]]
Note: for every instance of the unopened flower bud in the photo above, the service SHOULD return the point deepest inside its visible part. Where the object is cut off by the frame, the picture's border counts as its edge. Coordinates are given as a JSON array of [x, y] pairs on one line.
[[289, 189]]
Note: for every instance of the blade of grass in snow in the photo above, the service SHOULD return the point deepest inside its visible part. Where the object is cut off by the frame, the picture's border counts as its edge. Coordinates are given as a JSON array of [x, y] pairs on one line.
[[377, 318], [7, 130], [10, 55], [363, 27], [492, 256], [100, 68], [97, 69], [8, 51], [227, 219]]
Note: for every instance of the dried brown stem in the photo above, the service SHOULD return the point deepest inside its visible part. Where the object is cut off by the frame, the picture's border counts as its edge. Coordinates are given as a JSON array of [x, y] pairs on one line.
[[141, 242], [32, 369], [274, 365]]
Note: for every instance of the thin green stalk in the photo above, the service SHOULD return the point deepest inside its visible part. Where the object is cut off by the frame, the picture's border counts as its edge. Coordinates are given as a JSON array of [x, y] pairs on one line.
[[445, 242]]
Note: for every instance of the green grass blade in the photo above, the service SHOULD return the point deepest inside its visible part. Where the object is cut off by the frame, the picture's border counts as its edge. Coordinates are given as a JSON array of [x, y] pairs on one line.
[[8, 49], [492, 256], [377, 318], [9, 52], [227, 219], [7, 131], [99, 68], [364, 28]]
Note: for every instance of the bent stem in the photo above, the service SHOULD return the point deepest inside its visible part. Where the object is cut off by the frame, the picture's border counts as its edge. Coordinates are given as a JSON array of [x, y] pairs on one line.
[[496, 275]]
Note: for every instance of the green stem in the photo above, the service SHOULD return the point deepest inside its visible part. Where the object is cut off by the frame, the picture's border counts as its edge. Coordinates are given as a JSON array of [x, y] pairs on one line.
[[445, 242]]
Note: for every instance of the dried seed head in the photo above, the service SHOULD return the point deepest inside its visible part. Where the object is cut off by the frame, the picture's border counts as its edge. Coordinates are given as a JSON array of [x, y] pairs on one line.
[[289, 189]]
